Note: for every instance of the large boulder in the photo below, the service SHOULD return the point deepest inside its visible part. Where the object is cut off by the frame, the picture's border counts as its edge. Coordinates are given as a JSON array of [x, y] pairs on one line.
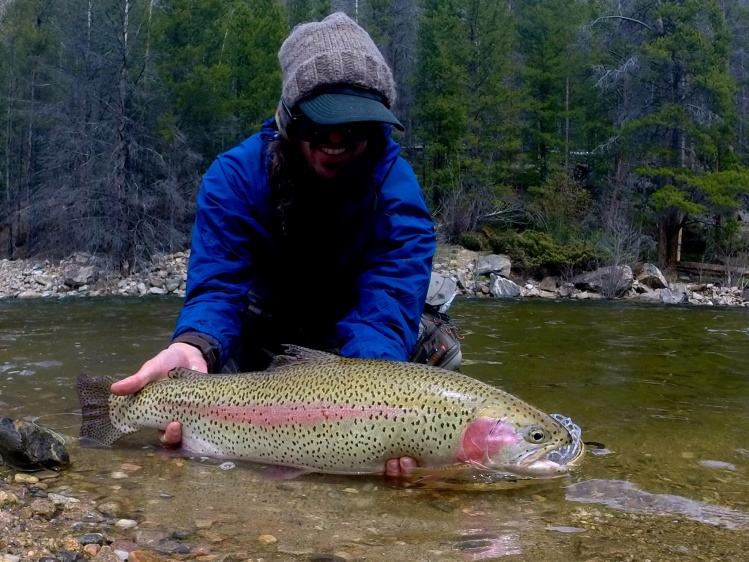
[[673, 296], [76, 278], [502, 288], [26, 446], [650, 276], [494, 263], [609, 281]]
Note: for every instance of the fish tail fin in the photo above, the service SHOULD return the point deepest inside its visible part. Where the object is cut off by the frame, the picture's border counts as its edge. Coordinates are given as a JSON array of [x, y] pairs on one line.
[[97, 429]]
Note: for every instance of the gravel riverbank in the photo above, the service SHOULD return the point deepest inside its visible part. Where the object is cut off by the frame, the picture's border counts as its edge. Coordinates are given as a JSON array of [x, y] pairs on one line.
[[476, 275]]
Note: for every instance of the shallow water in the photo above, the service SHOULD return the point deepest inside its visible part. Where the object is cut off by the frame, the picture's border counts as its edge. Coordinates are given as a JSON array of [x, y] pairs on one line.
[[664, 391]]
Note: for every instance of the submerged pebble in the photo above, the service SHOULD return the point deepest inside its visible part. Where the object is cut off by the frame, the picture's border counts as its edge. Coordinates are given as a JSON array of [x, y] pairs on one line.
[[91, 538], [267, 539], [563, 529], [23, 478], [719, 465]]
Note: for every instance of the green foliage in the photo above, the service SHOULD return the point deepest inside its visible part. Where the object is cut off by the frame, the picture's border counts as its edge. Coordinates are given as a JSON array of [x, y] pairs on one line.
[[303, 11], [554, 84], [188, 38], [474, 241], [558, 206], [218, 59], [538, 253], [253, 37], [441, 82]]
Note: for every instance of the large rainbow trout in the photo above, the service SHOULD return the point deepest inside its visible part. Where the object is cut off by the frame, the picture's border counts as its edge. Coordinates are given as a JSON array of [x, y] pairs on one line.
[[319, 412]]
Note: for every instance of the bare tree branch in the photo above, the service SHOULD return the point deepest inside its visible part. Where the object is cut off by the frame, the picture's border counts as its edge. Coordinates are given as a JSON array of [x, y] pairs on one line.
[[642, 23]]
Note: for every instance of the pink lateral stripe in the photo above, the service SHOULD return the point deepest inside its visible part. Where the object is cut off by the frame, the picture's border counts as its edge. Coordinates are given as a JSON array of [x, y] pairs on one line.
[[307, 414]]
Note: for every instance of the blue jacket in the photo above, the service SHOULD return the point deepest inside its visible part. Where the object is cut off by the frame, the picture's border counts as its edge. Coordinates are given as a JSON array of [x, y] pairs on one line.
[[366, 256]]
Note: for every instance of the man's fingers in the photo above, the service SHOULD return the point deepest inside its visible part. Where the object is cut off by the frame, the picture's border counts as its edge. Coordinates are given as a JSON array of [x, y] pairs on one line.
[[173, 435], [392, 468], [130, 385], [397, 468], [406, 464]]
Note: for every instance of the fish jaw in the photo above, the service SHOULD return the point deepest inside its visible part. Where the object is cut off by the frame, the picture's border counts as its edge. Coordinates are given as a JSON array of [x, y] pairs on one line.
[[499, 445]]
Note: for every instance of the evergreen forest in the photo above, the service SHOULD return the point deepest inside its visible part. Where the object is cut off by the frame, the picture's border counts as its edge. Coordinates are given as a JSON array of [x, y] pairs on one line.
[[564, 133]]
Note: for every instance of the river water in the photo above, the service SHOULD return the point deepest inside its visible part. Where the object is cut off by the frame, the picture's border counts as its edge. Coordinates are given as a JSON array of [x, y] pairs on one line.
[[661, 393]]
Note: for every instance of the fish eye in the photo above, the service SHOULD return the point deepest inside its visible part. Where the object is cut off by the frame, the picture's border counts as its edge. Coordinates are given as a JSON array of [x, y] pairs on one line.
[[535, 434]]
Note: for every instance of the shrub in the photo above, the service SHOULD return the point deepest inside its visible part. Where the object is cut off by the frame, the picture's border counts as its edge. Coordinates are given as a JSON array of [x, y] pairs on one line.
[[538, 254]]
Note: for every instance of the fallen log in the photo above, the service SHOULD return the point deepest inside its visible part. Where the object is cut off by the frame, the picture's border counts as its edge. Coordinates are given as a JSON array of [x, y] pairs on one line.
[[696, 267]]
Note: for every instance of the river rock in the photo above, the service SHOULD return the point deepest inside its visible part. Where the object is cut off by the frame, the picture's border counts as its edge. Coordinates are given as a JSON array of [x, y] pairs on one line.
[[29, 294], [502, 288], [647, 294], [91, 538], [77, 278], [106, 554], [23, 478], [548, 283], [7, 498], [172, 284], [651, 276], [144, 556], [669, 296], [494, 263], [110, 508], [610, 281], [26, 446], [43, 508]]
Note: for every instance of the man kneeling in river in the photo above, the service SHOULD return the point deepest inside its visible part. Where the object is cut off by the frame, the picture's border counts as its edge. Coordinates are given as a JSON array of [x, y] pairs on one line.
[[322, 187]]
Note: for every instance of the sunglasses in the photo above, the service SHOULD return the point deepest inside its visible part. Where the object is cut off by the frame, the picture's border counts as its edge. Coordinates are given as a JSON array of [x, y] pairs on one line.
[[305, 129]]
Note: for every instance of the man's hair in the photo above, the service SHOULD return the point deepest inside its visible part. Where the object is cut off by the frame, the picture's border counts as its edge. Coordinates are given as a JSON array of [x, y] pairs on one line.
[[288, 172]]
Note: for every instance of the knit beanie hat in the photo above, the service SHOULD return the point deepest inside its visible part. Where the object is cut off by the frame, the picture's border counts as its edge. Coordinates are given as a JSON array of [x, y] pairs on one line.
[[334, 73]]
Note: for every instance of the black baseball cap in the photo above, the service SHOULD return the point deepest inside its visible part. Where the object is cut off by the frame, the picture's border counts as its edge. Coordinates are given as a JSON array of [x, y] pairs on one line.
[[334, 105]]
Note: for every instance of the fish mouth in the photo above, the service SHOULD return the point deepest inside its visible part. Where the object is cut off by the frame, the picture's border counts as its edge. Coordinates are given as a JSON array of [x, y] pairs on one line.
[[570, 454], [551, 461]]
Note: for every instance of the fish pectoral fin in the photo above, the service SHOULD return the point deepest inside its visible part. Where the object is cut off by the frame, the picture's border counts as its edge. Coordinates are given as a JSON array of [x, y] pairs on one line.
[[460, 475], [276, 472], [426, 473]]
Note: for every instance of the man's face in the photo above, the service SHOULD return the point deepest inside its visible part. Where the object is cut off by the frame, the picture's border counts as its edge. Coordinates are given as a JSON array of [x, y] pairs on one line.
[[331, 149], [329, 154]]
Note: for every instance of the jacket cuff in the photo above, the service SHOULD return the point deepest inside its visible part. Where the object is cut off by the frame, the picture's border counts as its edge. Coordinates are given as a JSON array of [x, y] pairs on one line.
[[205, 343]]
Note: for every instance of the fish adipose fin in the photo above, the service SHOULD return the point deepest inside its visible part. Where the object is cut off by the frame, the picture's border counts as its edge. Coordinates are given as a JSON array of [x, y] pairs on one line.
[[96, 427], [294, 354]]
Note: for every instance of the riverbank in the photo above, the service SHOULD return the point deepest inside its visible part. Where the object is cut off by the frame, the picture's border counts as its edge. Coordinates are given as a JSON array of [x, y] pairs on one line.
[[476, 275]]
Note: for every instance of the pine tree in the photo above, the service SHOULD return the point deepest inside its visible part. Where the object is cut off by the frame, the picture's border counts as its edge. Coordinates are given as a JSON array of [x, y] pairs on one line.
[[253, 38], [675, 116], [554, 84], [441, 92]]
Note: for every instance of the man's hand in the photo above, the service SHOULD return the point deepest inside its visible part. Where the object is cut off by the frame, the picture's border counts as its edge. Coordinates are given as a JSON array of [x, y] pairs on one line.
[[176, 355]]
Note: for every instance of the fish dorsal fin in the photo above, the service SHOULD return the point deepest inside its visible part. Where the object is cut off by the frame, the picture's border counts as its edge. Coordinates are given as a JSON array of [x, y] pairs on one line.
[[184, 373], [294, 354]]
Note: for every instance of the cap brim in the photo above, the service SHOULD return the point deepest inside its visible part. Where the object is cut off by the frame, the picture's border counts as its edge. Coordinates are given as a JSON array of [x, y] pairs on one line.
[[334, 109]]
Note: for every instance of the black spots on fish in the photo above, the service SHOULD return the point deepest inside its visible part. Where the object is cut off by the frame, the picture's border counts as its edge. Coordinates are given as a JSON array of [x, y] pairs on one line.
[[377, 408]]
